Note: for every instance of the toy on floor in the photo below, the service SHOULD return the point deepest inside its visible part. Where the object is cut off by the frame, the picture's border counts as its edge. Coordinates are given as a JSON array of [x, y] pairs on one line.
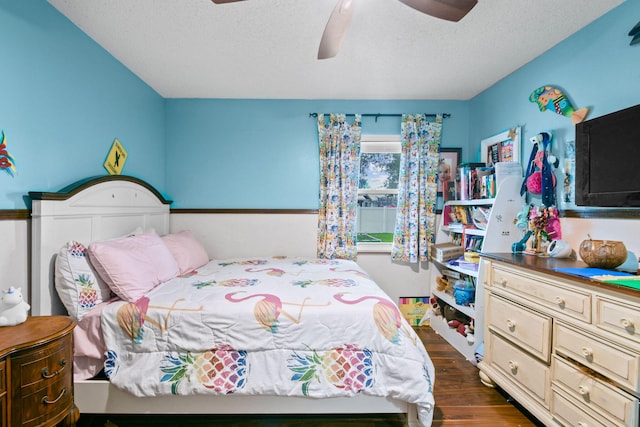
[[549, 96], [13, 309]]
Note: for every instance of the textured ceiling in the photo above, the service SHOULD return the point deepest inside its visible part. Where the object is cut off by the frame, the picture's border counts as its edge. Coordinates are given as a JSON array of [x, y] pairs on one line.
[[268, 48]]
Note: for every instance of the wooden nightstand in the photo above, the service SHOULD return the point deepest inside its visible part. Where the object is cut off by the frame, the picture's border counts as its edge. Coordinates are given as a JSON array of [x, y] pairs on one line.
[[36, 373]]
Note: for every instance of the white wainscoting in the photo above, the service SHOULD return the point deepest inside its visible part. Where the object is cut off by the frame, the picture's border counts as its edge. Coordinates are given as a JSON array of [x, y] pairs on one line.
[[227, 235], [14, 255]]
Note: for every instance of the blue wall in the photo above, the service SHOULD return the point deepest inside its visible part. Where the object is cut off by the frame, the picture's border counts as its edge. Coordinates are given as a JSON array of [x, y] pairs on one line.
[[64, 100], [595, 68], [264, 153]]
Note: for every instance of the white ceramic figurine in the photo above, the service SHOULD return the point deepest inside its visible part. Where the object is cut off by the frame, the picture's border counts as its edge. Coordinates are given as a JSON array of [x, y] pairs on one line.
[[13, 309]]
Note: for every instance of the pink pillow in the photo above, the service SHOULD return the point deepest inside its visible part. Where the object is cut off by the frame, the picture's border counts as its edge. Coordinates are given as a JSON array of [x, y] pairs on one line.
[[132, 266], [187, 251]]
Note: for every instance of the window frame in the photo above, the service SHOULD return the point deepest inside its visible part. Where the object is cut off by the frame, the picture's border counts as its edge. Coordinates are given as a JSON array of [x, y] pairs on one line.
[[378, 144]]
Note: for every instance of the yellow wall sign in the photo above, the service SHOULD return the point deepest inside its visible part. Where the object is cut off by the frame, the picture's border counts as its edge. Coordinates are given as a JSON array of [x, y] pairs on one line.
[[116, 158]]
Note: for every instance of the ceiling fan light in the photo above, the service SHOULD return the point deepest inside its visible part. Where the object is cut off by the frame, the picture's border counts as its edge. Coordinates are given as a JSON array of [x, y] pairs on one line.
[[450, 10]]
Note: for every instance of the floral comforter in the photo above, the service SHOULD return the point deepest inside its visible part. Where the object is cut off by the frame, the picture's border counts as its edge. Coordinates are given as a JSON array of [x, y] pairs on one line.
[[277, 326]]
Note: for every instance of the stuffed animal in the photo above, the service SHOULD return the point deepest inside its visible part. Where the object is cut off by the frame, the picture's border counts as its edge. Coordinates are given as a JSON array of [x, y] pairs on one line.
[[13, 309]]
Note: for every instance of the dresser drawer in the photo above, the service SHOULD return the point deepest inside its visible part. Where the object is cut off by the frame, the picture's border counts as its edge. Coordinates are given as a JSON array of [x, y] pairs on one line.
[[620, 319], [570, 415], [609, 359], [526, 371], [44, 364], [550, 294], [525, 328], [587, 391]]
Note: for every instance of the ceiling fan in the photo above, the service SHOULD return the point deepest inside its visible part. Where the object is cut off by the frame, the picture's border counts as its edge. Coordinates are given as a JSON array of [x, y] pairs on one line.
[[336, 28]]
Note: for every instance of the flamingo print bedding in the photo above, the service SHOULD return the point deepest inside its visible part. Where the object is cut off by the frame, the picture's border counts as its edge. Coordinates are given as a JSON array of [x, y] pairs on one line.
[[276, 326]]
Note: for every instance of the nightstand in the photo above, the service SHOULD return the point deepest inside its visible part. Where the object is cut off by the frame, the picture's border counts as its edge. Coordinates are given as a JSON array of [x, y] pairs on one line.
[[36, 373]]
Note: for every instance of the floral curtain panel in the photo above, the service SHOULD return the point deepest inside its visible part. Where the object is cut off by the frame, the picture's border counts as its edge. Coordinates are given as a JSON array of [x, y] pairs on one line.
[[339, 160], [417, 189]]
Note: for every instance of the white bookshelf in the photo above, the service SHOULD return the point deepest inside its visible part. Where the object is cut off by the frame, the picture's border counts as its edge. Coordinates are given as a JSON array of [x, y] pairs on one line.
[[498, 236]]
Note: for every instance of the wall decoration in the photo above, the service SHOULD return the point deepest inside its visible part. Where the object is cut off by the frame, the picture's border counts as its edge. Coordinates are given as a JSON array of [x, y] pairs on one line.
[[549, 97], [7, 162], [635, 33], [450, 158], [116, 158], [503, 147], [539, 177]]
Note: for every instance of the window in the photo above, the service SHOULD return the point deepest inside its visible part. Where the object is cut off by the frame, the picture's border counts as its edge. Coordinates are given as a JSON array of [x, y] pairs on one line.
[[378, 191]]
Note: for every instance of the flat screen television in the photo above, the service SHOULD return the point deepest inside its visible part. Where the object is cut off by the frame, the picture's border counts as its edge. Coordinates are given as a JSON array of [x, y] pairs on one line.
[[608, 160]]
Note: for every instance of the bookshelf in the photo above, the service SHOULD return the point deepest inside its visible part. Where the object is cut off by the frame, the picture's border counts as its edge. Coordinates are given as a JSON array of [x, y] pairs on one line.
[[481, 225]]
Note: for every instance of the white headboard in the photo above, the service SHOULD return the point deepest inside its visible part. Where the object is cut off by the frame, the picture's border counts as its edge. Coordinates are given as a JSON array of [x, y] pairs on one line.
[[92, 209]]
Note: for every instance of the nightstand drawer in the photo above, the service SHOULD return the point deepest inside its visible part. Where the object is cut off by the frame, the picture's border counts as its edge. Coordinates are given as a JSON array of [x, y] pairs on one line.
[[613, 361], [42, 404], [525, 328], [570, 415], [550, 294], [45, 364], [528, 372], [620, 319], [587, 391], [3, 375]]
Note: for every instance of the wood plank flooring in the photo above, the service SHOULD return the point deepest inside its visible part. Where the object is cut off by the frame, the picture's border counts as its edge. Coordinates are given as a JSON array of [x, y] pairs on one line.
[[461, 400]]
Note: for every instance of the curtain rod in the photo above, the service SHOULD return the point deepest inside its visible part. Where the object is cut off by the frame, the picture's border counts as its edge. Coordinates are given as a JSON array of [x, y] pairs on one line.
[[376, 115]]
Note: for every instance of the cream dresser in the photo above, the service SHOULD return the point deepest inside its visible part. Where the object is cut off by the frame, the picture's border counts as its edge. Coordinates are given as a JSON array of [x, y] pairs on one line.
[[566, 348]]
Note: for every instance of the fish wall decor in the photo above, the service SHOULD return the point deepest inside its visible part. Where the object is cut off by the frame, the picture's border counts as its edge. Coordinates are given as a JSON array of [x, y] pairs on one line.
[[635, 33], [552, 98], [7, 162]]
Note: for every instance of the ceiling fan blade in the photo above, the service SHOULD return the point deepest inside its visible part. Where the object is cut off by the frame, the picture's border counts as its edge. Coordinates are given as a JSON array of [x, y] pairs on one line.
[[225, 1], [451, 10], [335, 29]]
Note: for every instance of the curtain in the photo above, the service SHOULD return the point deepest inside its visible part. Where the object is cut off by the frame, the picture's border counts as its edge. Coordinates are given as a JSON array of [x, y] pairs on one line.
[[417, 188], [339, 163]]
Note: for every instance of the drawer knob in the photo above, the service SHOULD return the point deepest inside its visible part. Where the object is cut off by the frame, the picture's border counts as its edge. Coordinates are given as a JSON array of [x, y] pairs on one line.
[[587, 352], [46, 401], [45, 371], [582, 424], [583, 390], [511, 324], [560, 301], [626, 323], [513, 365], [502, 282]]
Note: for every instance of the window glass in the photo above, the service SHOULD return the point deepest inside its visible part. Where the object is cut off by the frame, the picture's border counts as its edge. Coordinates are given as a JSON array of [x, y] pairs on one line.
[[378, 189]]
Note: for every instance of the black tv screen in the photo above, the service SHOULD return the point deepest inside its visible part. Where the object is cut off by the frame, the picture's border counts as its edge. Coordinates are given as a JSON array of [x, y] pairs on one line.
[[608, 160]]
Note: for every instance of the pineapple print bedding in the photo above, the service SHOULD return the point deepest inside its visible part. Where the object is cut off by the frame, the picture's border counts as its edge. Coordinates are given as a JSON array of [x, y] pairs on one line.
[[278, 326]]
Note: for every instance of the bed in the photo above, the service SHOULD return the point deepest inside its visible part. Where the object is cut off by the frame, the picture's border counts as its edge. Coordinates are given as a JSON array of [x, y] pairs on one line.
[[259, 335]]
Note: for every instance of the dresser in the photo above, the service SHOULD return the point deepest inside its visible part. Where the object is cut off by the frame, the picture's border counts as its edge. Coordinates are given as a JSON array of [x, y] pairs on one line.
[[566, 348], [36, 373]]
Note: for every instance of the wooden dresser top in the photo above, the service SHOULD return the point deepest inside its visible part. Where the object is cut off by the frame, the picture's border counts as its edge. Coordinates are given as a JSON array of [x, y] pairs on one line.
[[36, 330], [548, 265]]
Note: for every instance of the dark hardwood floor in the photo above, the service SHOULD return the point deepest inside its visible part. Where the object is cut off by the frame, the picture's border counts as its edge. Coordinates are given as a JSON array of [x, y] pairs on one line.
[[461, 400]]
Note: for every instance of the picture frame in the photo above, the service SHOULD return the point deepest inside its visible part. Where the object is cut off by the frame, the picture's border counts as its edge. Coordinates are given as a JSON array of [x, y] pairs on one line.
[[503, 147], [450, 158]]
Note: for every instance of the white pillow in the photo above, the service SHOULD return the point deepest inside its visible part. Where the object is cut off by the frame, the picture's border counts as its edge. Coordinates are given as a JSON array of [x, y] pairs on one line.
[[77, 283]]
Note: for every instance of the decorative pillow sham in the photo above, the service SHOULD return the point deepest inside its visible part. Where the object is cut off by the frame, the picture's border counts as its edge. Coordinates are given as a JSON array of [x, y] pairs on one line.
[[77, 284], [187, 251], [134, 265]]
